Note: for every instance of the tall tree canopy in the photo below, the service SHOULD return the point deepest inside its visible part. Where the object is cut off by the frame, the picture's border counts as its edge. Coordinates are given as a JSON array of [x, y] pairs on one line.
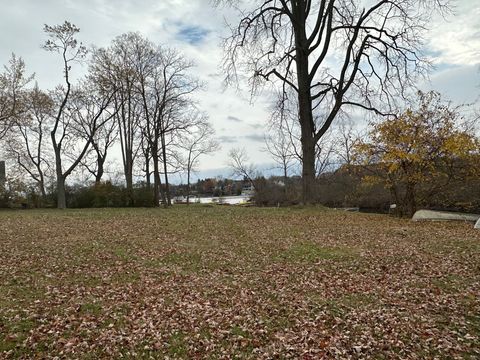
[[331, 55]]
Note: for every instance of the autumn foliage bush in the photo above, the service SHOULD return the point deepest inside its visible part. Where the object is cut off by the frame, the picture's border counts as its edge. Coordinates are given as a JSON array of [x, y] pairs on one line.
[[421, 153]]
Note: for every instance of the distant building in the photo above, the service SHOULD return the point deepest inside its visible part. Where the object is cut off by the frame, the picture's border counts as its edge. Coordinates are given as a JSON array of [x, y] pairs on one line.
[[248, 190], [2, 173]]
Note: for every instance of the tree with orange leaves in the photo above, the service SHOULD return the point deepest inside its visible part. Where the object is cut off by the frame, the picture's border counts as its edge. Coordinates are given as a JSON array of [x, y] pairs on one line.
[[419, 152]]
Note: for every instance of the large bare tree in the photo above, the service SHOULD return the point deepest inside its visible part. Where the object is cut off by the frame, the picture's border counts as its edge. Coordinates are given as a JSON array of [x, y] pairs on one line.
[[115, 68], [153, 85], [78, 111], [165, 87], [62, 40], [333, 55], [27, 142]]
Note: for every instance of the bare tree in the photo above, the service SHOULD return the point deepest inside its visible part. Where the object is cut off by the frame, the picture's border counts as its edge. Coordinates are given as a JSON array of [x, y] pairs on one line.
[[85, 114], [153, 88], [62, 41], [102, 141], [294, 43], [280, 147], [198, 142], [240, 164], [165, 87], [324, 151], [347, 136], [147, 158], [115, 68], [12, 86], [26, 143]]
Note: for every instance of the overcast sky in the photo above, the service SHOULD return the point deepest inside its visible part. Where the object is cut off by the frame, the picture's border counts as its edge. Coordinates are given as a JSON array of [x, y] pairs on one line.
[[195, 28]]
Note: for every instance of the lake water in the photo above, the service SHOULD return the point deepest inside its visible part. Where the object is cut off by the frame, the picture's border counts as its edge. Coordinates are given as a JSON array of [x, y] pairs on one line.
[[232, 200]]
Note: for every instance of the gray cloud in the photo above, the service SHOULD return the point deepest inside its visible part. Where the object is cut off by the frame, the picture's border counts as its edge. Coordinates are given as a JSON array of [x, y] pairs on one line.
[[256, 126], [455, 43], [234, 118], [228, 139], [255, 137]]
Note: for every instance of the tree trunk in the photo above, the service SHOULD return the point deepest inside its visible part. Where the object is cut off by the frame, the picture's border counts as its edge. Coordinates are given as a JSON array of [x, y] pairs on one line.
[[41, 185], [100, 170], [305, 107], [189, 169], [61, 198], [285, 180], [165, 169], [308, 171], [162, 192], [129, 179], [410, 203], [156, 180], [158, 192], [130, 197], [394, 194], [188, 185], [147, 172]]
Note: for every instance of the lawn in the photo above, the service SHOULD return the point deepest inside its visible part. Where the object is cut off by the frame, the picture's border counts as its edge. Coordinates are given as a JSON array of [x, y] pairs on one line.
[[230, 282]]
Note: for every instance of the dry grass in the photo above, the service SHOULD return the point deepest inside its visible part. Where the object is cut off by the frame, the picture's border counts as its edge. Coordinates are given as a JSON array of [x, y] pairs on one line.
[[225, 282]]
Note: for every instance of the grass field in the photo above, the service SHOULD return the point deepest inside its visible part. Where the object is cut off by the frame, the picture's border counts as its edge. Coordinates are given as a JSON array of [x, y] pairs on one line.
[[229, 282]]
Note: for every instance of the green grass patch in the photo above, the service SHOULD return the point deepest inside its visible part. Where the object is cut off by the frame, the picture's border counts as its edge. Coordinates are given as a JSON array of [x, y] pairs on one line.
[[311, 252], [451, 283], [177, 347], [238, 331], [14, 332], [91, 308], [186, 261], [126, 277]]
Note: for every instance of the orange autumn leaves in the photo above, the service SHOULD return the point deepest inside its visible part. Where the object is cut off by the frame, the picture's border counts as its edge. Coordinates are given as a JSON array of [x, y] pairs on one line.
[[428, 144]]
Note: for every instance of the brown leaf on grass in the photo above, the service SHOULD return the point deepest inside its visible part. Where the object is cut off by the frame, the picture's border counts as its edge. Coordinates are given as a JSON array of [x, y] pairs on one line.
[[231, 282]]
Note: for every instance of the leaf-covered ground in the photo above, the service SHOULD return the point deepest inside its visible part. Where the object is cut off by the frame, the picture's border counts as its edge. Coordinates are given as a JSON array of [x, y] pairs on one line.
[[227, 282]]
